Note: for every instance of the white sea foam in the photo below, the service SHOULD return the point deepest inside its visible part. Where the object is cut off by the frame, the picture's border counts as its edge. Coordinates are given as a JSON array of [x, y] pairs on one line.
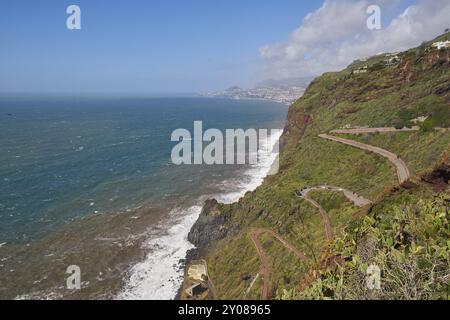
[[254, 176], [159, 276]]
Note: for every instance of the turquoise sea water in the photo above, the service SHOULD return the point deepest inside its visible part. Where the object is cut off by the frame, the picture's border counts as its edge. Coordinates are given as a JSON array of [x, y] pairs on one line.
[[63, 158], [90, 182]]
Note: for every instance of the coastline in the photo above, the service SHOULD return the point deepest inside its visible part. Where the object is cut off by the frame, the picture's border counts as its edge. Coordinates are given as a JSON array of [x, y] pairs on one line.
[[127, 220], [250, 99], [200, 246], [160, 275]]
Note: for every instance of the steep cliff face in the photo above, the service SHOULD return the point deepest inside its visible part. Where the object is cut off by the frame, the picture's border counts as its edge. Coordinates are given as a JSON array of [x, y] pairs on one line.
[[296, 123], [386, 96], [210, 225]]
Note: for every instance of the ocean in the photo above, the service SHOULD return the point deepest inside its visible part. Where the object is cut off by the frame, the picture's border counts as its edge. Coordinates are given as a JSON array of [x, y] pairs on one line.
[[89, 182]]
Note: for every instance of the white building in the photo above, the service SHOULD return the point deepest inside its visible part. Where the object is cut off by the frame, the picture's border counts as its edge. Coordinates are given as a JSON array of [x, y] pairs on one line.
[[360, 70], [441, 44], [392, 61]]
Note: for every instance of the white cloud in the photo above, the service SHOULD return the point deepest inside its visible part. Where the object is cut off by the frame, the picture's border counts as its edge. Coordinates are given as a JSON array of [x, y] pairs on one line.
[[336, 34]]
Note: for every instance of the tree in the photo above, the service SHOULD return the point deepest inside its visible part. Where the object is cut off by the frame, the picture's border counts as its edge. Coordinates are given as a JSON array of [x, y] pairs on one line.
[[399, 124], [447, 30]]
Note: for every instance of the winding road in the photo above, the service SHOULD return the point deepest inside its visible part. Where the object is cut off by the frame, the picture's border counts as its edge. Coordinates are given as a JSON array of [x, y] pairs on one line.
[[374, 130], [256, 233], [353, 197], [357, 131], [403, 173], [356, 199], [325, 217]]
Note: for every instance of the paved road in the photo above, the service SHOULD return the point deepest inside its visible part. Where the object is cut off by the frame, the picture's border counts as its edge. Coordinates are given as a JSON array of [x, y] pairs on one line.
[[403, 173], [254, 235], [374, 130], [382, 130], [350, 195]]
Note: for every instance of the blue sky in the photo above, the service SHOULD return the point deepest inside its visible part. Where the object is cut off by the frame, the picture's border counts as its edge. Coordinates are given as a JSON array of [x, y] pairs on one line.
[[152, 46], [139, 46]]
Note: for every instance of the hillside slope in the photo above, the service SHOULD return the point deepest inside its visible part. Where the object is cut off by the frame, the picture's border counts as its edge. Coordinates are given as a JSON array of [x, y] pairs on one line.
[[405, 231]]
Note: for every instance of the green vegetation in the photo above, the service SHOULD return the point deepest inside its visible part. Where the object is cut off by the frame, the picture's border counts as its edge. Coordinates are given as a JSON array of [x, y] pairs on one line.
[[405, 232], [420, 150], [289, 267], [407, 237], [226, 264], [340, 210]]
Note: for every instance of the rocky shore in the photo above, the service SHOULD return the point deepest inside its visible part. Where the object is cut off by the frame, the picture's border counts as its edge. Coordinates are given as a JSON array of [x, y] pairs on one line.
[[209, 227]]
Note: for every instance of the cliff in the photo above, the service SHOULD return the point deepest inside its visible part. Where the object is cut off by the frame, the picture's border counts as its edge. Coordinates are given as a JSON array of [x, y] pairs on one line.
[[404, 232]]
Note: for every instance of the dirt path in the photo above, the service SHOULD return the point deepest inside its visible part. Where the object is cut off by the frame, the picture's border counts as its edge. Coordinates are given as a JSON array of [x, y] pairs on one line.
[[325, 217], [264, 271], [353, 197], [403, 173], [255, 233]]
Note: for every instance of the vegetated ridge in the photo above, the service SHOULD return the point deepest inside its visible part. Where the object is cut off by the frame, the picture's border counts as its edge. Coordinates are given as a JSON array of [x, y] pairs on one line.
[[283, 242]]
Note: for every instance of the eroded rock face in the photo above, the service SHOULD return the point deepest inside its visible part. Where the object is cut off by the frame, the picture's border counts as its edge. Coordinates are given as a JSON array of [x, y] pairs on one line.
[[297, 122], [439, 178], [209, 226]]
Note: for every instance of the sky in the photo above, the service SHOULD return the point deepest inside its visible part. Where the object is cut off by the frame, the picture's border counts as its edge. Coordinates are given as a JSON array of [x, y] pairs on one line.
[[191, 46]]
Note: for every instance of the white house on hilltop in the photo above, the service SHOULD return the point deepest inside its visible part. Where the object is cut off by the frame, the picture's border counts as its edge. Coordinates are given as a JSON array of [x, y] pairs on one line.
[[441, 44], [360, 70]]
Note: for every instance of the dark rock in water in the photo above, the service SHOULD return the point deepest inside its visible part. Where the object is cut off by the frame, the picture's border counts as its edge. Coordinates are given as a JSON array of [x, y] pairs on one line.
[[209, 226]]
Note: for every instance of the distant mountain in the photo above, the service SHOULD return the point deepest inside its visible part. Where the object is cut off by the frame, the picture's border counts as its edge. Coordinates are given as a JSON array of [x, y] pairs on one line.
[[284, 91], [289, 82], [234, 89]]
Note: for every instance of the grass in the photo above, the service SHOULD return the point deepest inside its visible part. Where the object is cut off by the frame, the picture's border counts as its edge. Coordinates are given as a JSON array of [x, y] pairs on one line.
[[286, 268], [228, 268], [419, 150], [406, 236], [340, 210]]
